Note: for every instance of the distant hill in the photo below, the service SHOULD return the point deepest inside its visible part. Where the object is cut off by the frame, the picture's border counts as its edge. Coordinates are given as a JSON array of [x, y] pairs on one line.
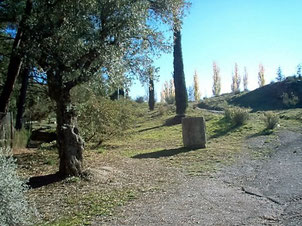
[[278, 95]]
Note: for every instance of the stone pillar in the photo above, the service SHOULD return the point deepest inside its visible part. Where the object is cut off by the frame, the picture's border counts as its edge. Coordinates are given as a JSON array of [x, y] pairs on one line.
[[194, 132]]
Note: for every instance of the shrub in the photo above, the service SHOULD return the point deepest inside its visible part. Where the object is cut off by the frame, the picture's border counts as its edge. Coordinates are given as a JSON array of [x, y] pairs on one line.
[[14, 208], [271, 120], [100, 118], [290, 100], [140, 100], [238, 116]]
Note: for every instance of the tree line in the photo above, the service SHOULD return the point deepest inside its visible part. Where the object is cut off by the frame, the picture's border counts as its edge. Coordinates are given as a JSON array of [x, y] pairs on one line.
[[62, 44]]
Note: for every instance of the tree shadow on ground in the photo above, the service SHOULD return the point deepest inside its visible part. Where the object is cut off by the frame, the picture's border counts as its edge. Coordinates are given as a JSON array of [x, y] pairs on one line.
[[151, 128], [224, 127], [40, 181], [163, 153]]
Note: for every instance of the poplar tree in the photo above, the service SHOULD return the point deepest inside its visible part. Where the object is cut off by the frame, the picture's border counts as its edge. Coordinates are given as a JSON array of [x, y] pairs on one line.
[[236, 80], [196, 87], [216, 80], [245, 79], [261, 79]]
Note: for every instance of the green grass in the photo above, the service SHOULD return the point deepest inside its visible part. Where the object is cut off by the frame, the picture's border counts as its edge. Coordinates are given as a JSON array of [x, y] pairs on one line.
[[152, 140], [92, 205]]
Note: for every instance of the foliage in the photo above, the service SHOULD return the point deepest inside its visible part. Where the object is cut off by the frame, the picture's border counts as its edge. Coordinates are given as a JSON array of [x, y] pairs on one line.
[[181, 95], [14, 208], [197, 95], [168, 92], [238, 116], [140, 99], [271, 120], [216, 80], [236, 80], [245, 79], [280, 77], [299, 71], [261, 79], [290, 100], [100, 118]]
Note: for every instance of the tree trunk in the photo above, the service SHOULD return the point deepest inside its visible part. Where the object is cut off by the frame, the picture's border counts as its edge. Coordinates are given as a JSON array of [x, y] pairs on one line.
[[151, 94], [15, 62], [70, 143], [181, 96], [22, 98]]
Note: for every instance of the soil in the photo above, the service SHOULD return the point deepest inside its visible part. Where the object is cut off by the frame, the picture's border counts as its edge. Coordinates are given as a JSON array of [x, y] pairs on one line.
[[263, 187]]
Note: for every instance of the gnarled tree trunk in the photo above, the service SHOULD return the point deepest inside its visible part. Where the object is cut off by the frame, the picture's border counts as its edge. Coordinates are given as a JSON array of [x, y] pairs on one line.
[[70, 143]]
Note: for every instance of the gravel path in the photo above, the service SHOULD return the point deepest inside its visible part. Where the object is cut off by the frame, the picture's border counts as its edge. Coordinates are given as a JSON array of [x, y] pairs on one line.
[[254, 191]]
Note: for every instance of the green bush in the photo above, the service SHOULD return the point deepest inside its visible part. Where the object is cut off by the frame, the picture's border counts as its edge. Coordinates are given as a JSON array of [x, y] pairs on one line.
[[290, 100], [271, 120], [238, 116], [100, 118], [14, 208]]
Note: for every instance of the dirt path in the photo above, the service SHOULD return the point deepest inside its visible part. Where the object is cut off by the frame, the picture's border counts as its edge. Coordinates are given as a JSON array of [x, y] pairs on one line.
[[264, 187]]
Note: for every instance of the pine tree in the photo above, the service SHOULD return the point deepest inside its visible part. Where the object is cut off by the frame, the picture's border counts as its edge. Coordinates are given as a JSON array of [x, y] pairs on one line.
[[245, 79], [299, 74], [280, 77], [216, 80], [261, 79], [196, 87]]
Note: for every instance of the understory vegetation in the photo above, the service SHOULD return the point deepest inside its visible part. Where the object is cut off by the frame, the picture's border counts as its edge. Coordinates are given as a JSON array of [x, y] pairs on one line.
[[149, 158]]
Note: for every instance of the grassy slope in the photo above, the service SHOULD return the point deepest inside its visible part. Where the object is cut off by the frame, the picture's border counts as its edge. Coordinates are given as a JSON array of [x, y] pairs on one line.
[[268, 97], [143, 161]]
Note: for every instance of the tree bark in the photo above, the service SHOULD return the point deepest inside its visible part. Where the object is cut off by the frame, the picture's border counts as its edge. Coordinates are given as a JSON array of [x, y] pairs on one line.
[[22, 98], [70, 143], [15, 62], [151, 94]]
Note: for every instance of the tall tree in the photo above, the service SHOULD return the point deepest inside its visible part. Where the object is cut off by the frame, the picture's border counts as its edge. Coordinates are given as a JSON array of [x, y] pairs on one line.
[[17, 52], [151, 77], [196, 87], [92, 38], [299, 71], [22, 97], [245, 79], [181, 95], [280, 77], [236, 80], [216, 80], [261, 79]]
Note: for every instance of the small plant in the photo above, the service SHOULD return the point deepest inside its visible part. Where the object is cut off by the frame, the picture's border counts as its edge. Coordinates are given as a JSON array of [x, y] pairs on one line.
[[14, 208], [271, 120], [238, 116]]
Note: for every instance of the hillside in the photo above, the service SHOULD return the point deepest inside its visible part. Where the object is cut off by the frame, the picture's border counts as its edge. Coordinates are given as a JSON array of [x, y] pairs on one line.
[[275, 96], [272, 96]]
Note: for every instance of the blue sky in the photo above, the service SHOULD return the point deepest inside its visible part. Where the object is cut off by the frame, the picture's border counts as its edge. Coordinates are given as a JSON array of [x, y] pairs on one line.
[[246, 32]]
